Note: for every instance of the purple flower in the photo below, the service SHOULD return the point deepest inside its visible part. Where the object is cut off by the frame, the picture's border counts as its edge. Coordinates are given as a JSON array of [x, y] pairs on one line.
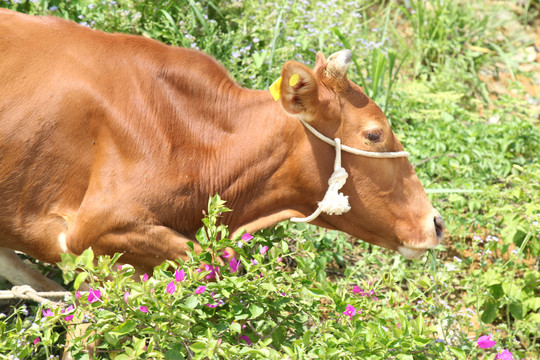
[[126, 295], [356, 289], [226, 254], [145, 277], [350, 311], [246, 237], [254, 262], [69, 317], [263, 250], [144, 309], [93, 296], [505, 355], [233, 264], [246, 339], [47, 312], [485, 342], [200, 289], [171, 287], [37, 340], [179, 275]]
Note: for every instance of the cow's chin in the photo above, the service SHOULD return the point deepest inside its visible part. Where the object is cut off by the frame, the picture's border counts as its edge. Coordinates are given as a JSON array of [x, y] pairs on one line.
[[411, 253]]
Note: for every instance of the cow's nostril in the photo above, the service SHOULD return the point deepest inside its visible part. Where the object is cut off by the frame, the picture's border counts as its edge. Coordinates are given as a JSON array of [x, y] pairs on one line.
[[439, 226]]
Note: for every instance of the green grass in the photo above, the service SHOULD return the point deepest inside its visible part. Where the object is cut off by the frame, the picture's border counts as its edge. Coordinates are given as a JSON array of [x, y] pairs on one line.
[[421, 64]]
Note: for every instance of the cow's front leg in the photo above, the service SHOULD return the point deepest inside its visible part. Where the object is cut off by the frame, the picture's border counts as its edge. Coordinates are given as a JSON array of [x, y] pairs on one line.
[[144, 247]]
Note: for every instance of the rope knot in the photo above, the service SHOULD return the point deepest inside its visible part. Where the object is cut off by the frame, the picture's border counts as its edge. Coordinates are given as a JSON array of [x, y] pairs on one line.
[[334, 202]]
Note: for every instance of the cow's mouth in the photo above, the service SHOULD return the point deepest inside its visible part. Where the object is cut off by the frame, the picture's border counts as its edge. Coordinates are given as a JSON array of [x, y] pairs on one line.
[[411, 253]]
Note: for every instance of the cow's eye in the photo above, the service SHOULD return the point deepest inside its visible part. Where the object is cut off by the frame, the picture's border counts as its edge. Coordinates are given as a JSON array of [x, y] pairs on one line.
[[373, 135]]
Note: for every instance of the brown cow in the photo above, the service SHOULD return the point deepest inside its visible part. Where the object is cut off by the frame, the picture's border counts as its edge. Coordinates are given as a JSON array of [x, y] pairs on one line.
[[116, 142]]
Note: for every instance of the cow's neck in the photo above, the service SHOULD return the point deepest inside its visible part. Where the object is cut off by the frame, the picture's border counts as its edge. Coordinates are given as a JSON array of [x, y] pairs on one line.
[[264, 167]]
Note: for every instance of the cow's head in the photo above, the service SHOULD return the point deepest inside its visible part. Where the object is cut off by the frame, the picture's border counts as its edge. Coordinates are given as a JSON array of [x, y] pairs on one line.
[[389, 206]]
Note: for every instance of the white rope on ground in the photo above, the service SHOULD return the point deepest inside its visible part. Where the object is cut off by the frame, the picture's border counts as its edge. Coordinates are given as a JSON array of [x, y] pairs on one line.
[[334, 202], [26, 292]]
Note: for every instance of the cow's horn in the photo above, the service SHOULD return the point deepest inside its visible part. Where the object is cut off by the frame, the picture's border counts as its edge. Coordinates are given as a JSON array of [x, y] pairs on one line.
[[338, 63]]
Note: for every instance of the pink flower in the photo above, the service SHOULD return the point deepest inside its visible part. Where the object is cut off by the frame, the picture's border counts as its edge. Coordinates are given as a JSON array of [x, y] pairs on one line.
[[93, 296], [144, 309], [145, 277], [505, 355], [350, 311], [200, 289], [356, 289], [119, 267], [78, 294], [233, 264], [47, 312], [126, 295], [171, 288], [67, 310], [279, 259], [247, 237], [37, 340], [213, 271], [246, 339], [263, 250], [226, 254], [254, 262], [485, 342], [179, 275]]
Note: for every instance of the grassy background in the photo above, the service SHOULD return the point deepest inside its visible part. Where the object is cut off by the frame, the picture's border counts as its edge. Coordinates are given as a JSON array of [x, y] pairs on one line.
[[459, 80]]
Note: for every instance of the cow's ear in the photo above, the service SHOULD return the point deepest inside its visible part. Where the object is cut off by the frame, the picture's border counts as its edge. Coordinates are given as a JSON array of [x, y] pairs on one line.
[[299, 89]]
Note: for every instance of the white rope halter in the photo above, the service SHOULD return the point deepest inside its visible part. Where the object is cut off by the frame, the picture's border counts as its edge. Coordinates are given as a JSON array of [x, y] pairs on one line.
[[334, 202]]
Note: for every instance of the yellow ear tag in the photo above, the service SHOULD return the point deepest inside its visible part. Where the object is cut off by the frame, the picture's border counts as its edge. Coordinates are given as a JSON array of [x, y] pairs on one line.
[[293, 80], [275, 89]]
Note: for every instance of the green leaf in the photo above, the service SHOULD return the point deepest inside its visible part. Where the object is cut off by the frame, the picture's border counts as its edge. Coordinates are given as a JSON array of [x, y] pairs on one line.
[[87, 258], [192, 302], [236, 327], [269, 287], [124, 328], [516, 309], [255, 310], [317, 292], [459, 353], [138, 345], [174, 353], [201, 237], [79, 280], [121, 357], [279, 335], [421, 341], [491, 310], [198, 347]]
